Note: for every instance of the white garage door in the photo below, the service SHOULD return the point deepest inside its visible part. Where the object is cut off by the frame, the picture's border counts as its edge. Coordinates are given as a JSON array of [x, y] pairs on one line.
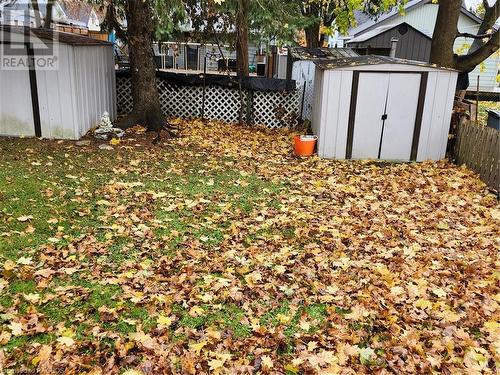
[[386, 109]]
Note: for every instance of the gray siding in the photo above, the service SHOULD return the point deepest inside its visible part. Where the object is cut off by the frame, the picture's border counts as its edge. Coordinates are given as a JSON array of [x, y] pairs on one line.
[[412, 45]]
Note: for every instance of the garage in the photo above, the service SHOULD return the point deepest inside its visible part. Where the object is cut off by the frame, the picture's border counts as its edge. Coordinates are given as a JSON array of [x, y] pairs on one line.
[[377, 107]]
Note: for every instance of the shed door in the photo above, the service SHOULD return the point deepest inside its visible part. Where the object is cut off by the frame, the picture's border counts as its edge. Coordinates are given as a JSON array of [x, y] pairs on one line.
[[386, 108], [401, 109], [370, 106]]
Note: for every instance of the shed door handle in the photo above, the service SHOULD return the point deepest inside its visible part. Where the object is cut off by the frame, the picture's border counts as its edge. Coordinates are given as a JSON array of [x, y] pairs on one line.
[[384, 116]]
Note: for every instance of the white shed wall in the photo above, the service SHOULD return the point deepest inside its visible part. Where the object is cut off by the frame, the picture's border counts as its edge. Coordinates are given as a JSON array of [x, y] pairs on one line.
[[94, 83], [336, 98], [55, 97], [71, 98], [332, 103], [303, 73], [16, 112], [436, 115]]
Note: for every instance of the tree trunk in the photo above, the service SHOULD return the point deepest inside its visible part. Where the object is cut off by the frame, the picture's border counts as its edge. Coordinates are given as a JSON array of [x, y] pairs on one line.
[[242, 50], [490, 16], [312, 35], [445, 32], [242, 38], [47, 23], [36, 10], [147, 109]]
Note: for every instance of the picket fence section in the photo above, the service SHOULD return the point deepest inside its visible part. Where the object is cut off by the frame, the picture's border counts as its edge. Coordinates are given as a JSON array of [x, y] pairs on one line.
[[478, 147], [274, 109]]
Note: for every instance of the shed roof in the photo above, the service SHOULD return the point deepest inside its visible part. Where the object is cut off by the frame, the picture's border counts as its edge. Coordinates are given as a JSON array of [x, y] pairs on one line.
[[59, 36], [380, 30], [370, 60], [302, 53]]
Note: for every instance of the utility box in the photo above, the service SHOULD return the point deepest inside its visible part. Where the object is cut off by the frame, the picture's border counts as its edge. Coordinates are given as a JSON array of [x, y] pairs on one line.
[[494, 119]]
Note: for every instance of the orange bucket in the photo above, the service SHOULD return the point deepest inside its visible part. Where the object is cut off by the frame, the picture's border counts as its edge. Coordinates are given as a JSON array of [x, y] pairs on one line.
[[304, 144]]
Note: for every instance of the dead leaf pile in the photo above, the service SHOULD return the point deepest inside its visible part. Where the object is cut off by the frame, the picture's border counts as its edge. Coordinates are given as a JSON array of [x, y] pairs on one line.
[[221, 252]]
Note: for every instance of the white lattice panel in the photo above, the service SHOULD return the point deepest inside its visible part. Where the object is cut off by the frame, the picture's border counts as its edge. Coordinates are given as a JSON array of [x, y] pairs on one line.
[[124, 100], [307, 102], [180, 101], [276, 109], [222, 103], [272, 109]]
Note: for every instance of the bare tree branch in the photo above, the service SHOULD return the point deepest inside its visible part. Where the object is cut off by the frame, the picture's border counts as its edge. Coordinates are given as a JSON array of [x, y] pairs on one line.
[[490, 17], [112, 20], [467, 63], [474, 36]]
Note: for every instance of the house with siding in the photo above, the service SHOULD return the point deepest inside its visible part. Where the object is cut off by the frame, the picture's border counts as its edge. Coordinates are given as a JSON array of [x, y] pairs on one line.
[[421, 16]]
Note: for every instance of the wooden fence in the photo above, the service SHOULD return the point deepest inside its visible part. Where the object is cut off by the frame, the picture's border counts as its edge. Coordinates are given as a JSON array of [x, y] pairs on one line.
[[478, 147]]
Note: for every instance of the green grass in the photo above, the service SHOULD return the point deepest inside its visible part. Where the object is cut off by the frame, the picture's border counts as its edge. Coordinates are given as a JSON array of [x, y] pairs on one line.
[[232, 242], [70, 194]]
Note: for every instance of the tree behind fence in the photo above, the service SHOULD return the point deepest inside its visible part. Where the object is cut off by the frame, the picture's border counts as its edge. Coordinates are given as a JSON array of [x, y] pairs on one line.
[[478, 147]]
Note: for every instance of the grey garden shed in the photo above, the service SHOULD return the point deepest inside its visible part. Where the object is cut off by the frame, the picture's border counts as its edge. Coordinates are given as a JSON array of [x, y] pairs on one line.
[[61, 100], [377, 107]]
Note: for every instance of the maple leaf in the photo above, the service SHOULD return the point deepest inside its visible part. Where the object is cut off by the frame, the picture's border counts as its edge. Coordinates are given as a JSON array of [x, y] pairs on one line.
[[253, 278], [195, 311], [439, 292], [198, 346], [291, 369], [304, 325], [442, 226], [367, 355], [32, 297], [476, 359], [311, 345], [423, 304], [397, 290], [66, 341], [25, 261], [24, 218], [5, 337], [132, 372], [164, 321], [16, 328], [267, 362], [9, 265]]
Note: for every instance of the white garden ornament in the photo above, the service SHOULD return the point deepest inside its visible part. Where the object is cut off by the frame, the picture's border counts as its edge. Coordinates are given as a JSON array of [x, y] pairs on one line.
[[105, 129]]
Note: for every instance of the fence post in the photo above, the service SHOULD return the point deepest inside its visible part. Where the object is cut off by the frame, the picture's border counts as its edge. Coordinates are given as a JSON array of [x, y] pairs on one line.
[[249, 107], [478, 148]]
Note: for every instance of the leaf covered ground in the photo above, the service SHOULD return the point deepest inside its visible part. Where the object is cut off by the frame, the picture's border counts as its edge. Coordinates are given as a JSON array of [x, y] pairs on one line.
[[220, 252]]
